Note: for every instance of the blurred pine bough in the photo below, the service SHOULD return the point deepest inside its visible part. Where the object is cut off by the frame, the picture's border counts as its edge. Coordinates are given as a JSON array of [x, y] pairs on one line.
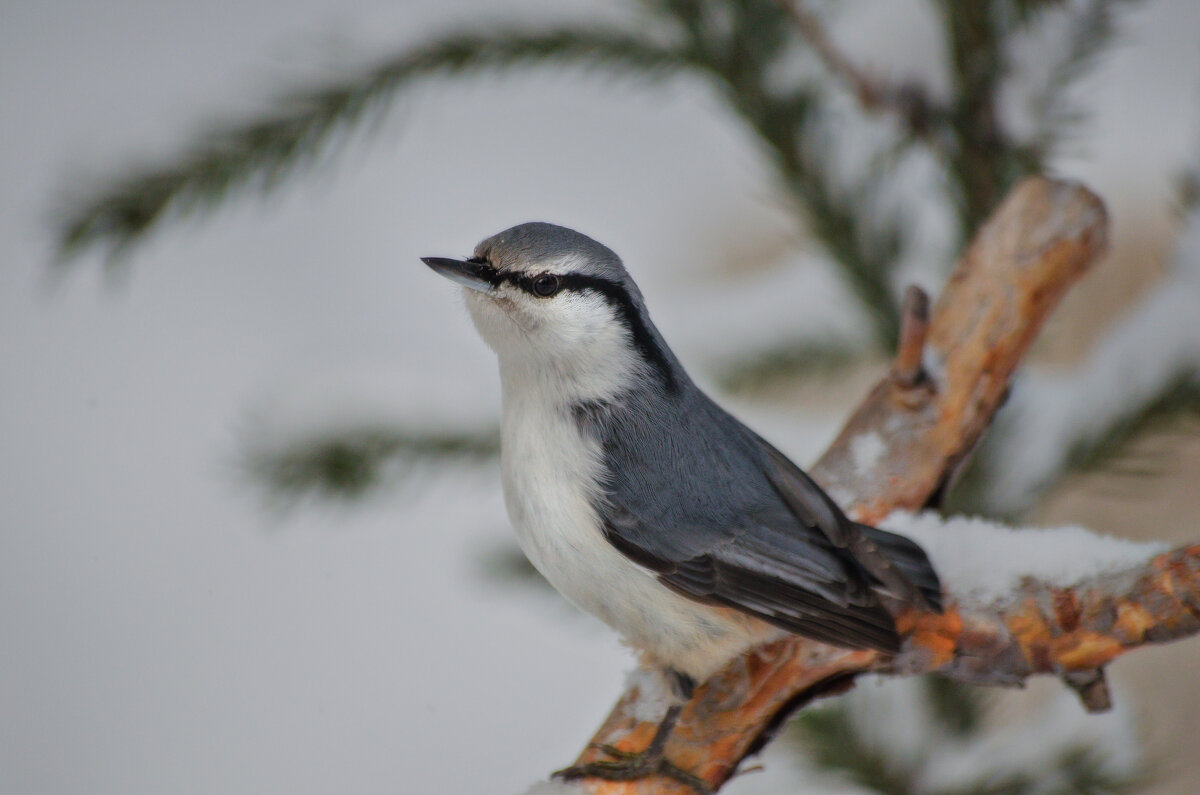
[[774, 67], [841, 143]]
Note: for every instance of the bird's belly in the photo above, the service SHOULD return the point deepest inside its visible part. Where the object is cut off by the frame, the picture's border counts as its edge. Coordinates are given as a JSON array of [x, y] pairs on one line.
[[546, 492]]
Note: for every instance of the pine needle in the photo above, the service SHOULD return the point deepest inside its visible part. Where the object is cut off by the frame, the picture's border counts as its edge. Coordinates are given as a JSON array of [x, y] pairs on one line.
[[1093, 31]]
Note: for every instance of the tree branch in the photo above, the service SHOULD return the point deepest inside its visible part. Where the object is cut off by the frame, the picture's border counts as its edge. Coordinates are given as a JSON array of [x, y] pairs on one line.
[[1035, 246], [1039, 629], [908, 101]]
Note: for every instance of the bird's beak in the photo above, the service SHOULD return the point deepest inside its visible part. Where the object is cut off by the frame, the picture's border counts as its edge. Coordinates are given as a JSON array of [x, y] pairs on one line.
[[476, 275]]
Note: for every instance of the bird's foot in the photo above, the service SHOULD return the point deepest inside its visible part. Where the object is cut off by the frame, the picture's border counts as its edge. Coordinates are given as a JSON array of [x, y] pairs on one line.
[[632, 765]]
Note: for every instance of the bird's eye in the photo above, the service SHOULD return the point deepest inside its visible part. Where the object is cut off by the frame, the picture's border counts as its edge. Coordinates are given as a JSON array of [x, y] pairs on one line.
[[545, 285]]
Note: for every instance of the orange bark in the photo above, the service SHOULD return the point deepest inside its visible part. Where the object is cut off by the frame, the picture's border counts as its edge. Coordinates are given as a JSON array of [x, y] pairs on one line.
[[1020, 264], [998, 644], [1036, 245]]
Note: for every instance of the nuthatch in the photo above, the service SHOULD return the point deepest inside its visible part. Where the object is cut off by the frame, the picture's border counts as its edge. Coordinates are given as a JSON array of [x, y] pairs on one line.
[[646, 504]]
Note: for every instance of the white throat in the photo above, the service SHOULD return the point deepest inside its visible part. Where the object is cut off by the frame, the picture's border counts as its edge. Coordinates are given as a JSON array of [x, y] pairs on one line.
[[572, 352]]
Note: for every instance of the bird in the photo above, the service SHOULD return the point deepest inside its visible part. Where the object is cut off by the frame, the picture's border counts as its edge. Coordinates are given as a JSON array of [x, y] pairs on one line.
[[645, 503]]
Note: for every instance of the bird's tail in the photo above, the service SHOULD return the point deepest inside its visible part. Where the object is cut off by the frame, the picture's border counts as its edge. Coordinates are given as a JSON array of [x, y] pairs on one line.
[[910, 561]]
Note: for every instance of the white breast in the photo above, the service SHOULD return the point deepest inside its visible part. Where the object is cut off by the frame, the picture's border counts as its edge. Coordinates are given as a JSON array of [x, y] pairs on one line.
[[549, 472], [547, 468]]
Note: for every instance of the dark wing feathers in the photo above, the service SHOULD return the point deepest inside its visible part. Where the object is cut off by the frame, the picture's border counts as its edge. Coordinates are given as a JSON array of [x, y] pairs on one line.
[[793, 586], [749, 530], [785, 604], [805, 497], [911, 561]]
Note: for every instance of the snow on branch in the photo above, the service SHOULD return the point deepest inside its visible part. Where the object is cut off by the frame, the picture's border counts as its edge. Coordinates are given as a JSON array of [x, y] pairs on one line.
[[1019, 602], [984, 563]]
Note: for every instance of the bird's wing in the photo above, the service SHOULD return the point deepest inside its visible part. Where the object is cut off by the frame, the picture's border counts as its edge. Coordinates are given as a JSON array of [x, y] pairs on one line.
[[770, 572], [894, 563], [786, 553]]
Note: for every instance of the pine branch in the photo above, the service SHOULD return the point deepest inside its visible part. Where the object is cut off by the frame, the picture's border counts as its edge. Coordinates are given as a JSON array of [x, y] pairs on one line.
[[736, 45], [1026, 11], [909, 101], [1093, 30], [959, 709], [1039, 242], [1187, 188], [832, 741], [844, 736], [866, 255], [345, 465], [760, 369], [1110, 451], [740, 53], [306, 124], [837, 736], [981, 160]]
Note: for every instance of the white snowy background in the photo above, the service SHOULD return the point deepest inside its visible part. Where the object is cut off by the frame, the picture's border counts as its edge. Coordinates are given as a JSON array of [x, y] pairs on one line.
[[161, 629]]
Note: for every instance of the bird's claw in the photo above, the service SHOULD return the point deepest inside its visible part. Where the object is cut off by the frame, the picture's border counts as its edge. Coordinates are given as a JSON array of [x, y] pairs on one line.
[[632, 765], [615, 752]]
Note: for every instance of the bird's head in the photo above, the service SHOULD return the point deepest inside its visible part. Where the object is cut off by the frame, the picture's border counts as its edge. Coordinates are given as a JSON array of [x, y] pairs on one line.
[[549, 298]]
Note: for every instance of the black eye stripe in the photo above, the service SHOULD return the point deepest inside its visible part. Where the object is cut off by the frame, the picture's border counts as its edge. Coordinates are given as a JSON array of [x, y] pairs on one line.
[[529, 284], [619, 299], [613, 293]]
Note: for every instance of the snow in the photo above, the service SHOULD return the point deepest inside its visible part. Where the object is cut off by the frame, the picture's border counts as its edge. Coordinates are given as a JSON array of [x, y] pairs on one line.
[[893, 719], [893, 716], [865, 450], [1034, 747], [981, 561]]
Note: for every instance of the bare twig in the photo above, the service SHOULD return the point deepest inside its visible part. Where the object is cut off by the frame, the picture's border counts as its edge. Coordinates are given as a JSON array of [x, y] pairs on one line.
[[908, 368]]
